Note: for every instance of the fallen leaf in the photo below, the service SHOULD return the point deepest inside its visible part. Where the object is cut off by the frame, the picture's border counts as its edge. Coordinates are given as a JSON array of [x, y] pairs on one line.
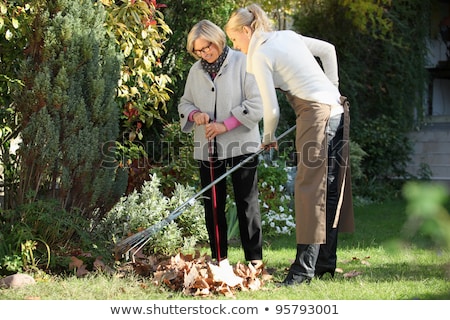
[[367, 263], [82, 271], [224, 274], [75, 263], [142, 269], [190, 278], [352, 274]]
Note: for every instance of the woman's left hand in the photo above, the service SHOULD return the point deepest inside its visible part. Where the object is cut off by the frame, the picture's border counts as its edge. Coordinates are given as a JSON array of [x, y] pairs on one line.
[[213, 129]]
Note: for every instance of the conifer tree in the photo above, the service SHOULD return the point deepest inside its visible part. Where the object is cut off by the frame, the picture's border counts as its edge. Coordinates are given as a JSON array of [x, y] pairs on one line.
[[70, 119]]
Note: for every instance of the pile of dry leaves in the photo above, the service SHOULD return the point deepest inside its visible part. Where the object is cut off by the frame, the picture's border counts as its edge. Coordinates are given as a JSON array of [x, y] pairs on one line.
[[191, 274], [198, 275]]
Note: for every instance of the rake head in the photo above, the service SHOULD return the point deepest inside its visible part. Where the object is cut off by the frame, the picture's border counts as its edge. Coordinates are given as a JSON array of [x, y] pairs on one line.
[[138, 240]]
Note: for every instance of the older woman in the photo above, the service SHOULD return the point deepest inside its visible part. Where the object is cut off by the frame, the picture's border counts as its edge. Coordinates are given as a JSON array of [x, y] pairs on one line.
[[221, 103]]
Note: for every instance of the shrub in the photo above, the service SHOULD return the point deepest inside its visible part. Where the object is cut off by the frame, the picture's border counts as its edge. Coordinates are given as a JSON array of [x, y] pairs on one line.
[[276, 203], [32, 235], [140, 210], [69, 116]]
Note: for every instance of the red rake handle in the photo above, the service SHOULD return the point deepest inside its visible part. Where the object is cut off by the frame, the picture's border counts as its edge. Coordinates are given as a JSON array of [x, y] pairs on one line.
[[214, 199]]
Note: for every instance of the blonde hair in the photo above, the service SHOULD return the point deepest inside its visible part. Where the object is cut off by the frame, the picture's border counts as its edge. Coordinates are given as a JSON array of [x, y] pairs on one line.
[[210, 32], [252, 16]]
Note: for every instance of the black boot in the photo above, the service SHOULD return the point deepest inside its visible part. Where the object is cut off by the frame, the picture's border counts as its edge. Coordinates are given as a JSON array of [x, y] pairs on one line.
[[302, 270], [320, 273], [326, 261]]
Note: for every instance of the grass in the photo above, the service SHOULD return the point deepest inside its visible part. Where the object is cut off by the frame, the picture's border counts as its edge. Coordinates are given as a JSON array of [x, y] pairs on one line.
[[418, 270]]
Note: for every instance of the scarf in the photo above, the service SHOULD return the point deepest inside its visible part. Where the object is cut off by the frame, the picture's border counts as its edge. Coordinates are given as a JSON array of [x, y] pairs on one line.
[[213, 68]]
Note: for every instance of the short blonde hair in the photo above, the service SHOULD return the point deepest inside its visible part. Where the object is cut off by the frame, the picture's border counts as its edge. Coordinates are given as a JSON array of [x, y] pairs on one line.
[[252, 16], [210, 32]]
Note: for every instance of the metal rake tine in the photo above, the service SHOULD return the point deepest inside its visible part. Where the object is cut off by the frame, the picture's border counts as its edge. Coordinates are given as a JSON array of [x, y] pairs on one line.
[[137, 250], [142, 238]]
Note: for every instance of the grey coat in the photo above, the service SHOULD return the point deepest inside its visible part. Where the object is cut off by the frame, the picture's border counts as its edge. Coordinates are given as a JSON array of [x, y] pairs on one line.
[[233, 92]]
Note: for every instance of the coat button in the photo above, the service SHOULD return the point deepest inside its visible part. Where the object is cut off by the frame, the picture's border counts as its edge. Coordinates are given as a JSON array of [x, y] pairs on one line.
[[245, 111], [212, 89], [182, 115]]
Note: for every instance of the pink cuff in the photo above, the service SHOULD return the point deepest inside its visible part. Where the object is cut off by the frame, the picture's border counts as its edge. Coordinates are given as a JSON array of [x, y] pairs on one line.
[[191, 115], [231, 123]]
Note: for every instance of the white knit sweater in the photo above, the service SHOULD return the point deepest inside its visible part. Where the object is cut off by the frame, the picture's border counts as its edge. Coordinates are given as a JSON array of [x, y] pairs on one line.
[[286, 60]]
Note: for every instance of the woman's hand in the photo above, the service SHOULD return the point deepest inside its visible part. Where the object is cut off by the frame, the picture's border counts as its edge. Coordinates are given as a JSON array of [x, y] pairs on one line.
[[213, 129], [272, 145], [200, 118]]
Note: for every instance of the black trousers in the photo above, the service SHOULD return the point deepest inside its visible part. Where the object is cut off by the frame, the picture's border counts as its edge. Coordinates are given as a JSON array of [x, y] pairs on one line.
[[245, 189], [327, 258]]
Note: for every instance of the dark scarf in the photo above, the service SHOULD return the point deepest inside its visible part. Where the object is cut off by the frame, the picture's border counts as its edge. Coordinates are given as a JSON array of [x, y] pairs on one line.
[[213, 68]]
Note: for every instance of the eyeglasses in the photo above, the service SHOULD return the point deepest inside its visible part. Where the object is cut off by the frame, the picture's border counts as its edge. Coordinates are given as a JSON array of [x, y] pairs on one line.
[[203, 50]]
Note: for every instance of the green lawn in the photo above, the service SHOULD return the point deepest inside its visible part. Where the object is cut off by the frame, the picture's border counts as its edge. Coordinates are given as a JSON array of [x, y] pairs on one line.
[[416, 271]]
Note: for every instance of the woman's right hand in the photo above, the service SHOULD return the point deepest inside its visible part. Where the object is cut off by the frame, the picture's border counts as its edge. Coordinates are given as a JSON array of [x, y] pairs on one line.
[[200, 118]]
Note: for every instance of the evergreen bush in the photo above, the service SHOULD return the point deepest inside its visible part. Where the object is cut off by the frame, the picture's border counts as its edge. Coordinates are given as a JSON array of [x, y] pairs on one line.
[[70, 120]]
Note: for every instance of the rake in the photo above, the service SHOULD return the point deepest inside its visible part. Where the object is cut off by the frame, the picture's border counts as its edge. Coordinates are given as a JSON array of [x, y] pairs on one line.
[[212, 161], [138, 240]]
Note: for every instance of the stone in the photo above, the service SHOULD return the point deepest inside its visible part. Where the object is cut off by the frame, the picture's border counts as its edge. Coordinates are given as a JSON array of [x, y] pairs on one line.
[[17, 280]]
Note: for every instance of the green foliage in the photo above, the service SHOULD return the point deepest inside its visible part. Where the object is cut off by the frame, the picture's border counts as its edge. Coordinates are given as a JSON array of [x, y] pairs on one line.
[[140, 31], [15, 26], [37, 232], [387, 151], [140, 210], [177, 164], [27, 248], [357, 155], [369, 17], [276, 204], [11, 264], [426, 212], [70, 119], [232, 219]]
